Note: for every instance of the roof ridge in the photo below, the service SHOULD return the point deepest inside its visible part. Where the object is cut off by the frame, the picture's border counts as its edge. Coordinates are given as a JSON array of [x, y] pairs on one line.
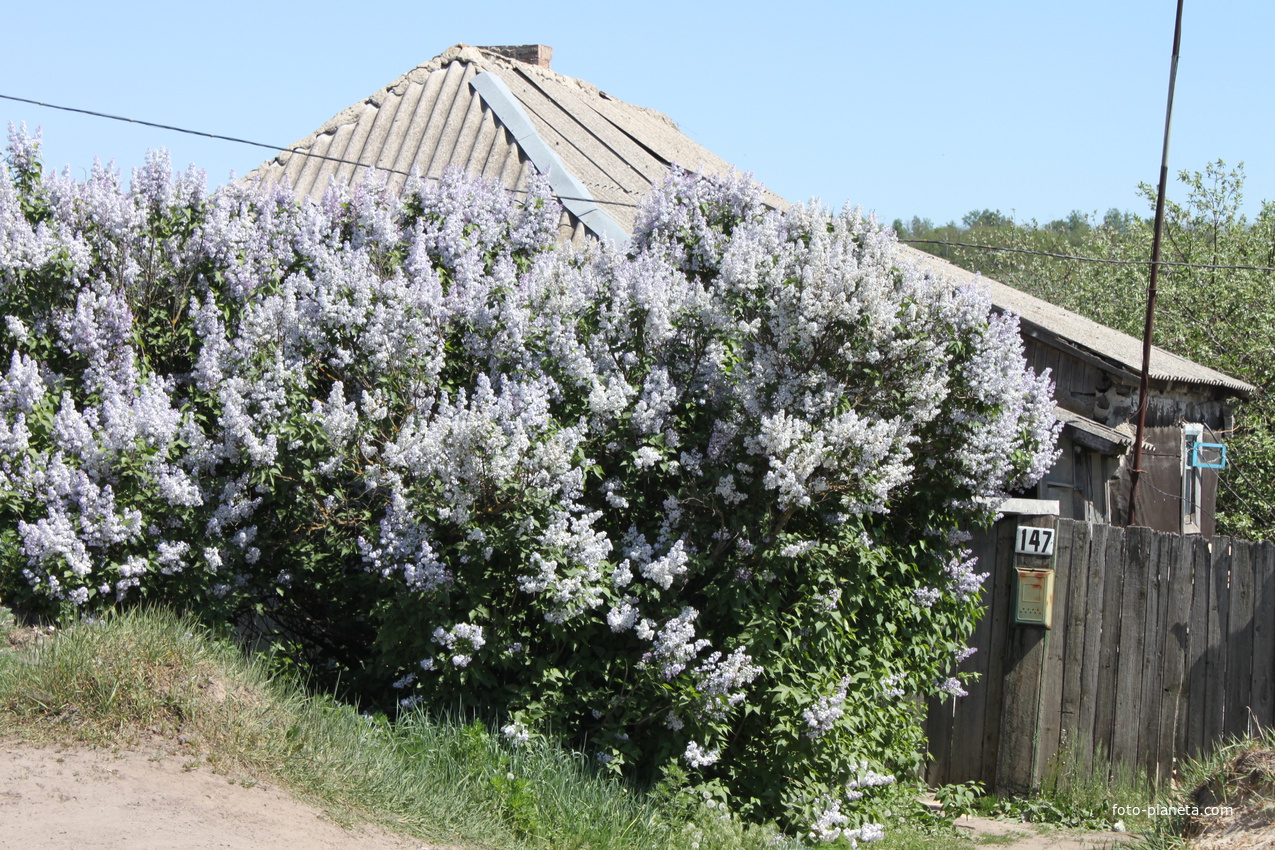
[[1104, 340], [566, 80]]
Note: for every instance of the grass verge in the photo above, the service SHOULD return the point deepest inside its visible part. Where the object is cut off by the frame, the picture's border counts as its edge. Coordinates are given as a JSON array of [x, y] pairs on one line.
[[150, 679], [1225, 799]]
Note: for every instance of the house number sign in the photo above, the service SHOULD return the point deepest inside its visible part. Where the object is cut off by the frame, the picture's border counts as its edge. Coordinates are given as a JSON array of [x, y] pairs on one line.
[[1034, 541]]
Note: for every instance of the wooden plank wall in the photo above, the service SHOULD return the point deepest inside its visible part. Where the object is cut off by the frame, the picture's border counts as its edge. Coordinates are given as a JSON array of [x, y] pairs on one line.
[[1162, 646]]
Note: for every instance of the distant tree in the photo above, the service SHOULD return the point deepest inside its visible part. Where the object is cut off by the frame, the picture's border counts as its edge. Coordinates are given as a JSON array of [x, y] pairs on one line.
[[1220, 317], [986, 218]]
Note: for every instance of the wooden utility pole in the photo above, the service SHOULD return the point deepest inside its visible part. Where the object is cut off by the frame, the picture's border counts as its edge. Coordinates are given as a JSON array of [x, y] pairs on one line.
[[1136, 472]]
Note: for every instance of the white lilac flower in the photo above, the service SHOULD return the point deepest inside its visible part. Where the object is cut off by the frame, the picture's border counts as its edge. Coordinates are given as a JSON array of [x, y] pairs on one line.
[[720, 682], [171, 555], [516, 734], [865, 777], [926, 596], [675, 644], [821, 716], [622, 575], [646, 457], [891, 685], [624, 616], [464, 638], [697, 756], [796, 549], [868, 833], [963, 582], [672, 565], [17, 329], [727, 491], [828, 825], [22, 388]]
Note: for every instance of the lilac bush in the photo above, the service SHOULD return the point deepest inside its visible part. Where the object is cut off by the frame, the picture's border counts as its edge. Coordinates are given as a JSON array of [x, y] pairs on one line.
[[695, 506]]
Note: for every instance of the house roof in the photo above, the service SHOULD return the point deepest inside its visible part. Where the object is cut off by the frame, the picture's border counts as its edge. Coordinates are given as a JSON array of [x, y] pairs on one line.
[[495, 117], [1106, 347], [479, 109], [1091, 434]]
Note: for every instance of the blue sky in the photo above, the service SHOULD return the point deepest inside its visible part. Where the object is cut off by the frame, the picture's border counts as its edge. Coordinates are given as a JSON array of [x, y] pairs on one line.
[[917, 108]]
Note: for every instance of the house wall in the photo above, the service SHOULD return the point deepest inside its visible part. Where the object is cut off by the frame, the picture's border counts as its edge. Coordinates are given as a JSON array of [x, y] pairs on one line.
[[1078, 482], [1160, 498], [1095, 487], [1077, 384]]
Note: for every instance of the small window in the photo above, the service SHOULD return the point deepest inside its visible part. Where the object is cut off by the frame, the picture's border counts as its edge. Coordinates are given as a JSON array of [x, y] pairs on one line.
[[1192, 479]]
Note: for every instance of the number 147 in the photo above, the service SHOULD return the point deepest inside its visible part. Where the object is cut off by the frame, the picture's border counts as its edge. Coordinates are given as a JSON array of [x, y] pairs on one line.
[[1034, 541]]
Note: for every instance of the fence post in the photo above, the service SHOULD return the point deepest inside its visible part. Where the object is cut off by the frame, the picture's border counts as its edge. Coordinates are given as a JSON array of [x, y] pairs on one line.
[[1025, 648]]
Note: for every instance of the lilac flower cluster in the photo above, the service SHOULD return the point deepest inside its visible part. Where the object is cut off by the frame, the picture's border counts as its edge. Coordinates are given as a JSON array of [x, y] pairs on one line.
[[393, 412], [826, 711], [831, 825], [463, 639]]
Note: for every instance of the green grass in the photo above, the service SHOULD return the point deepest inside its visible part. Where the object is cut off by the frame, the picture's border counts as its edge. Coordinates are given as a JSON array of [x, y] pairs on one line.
[[151, 679], [1240, 774]]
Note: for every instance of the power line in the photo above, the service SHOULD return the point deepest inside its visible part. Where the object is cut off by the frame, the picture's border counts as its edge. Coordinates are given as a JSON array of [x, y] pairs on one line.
[[281, 148], [1084, 259], [339, 160], [1270, 515]]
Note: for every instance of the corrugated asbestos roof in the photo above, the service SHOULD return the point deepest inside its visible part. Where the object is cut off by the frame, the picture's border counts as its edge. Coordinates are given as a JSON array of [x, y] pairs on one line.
[[432, 117], [1115, 350]]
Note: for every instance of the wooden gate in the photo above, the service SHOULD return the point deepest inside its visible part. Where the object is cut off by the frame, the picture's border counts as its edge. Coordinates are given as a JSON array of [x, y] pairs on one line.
[[1161, 646]]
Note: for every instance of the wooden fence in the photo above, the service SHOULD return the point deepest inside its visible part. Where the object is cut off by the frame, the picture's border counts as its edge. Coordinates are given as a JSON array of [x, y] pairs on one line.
[[1161, 646]]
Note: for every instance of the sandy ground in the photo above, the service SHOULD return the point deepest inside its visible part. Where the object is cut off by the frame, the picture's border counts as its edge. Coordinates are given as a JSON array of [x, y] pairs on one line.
[[53, 799], [97, 799], [1006, 835]]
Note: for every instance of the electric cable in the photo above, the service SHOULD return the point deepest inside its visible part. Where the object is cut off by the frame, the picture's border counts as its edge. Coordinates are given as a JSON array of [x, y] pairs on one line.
[[1085, 259], [342, 161], [281, 148]]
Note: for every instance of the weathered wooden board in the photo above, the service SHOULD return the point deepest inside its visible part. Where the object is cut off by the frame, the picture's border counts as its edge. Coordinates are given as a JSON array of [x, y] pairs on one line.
[[1000, 615], [1177, 578], [955, 726], [1024, 658], [1094, 639], [1191, 735], [1112, 623], [1072, 738], [1153, 654], [1239, 641], [1128, 690], [1049, 717], [1025, 650], [1262, 689], [1215, 651]]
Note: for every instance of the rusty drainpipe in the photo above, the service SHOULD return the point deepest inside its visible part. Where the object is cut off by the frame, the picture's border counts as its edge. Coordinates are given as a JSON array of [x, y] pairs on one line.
[[1137, 470]]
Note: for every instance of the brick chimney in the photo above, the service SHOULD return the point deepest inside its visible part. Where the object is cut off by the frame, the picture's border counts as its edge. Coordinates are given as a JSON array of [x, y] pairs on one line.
[[532, 54]]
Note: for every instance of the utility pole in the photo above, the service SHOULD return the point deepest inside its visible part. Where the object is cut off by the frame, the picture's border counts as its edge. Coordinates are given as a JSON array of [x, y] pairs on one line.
[[1136, 471]]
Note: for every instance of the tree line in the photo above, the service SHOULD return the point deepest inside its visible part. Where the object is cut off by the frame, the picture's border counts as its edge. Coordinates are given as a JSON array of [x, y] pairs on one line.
[[1207, 310]]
